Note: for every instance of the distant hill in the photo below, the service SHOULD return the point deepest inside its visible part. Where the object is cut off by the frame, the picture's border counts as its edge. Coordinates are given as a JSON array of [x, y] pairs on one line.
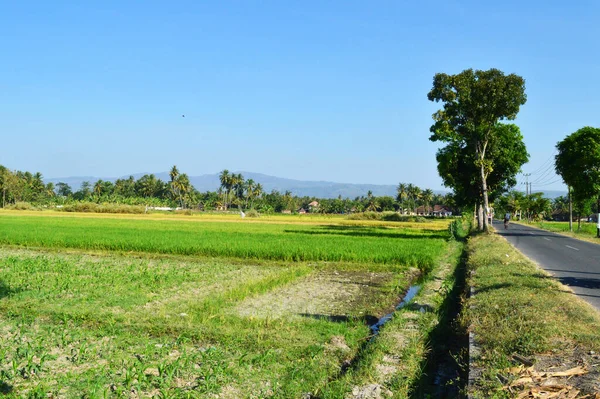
[[319, 189], [552, 193], [210, 182]]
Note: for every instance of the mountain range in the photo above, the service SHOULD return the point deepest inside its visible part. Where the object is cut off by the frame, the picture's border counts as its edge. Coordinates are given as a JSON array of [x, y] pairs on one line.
[[319, 189], [211, 182]]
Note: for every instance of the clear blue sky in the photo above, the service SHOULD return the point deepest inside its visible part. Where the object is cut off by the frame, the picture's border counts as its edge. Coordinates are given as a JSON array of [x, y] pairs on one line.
[[331, 90]]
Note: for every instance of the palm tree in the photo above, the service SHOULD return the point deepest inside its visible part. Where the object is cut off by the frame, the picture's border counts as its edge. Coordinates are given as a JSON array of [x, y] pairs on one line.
[[98, 188], [401, 195], [174, 173], [250, 185], [225, 179], [174, 185], [427, 196]]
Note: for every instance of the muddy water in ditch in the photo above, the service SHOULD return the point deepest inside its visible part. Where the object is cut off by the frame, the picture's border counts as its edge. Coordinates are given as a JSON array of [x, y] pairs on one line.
[[413, 290]]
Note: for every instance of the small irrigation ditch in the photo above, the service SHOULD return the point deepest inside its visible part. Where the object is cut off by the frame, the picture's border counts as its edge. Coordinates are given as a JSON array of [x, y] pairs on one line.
[[426, 318]]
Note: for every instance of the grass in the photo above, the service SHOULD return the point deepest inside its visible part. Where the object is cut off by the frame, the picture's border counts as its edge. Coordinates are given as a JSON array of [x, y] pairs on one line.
[[153, 307], [518, 308], [284, 242]]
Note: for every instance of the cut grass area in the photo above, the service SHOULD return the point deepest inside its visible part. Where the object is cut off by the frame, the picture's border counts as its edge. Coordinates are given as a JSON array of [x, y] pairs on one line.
[[265, 241], [518, 308]]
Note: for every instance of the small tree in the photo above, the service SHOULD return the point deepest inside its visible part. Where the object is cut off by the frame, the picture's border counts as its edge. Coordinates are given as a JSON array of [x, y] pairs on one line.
[[578, 163]]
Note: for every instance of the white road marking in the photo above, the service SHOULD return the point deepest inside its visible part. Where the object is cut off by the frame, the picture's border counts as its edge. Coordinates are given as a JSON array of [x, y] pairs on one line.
[[568, 246], [547, 239]]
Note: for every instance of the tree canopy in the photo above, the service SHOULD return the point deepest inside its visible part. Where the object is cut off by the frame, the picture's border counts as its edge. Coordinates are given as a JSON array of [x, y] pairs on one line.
[[578, 161], [473, 104], [458, 169]]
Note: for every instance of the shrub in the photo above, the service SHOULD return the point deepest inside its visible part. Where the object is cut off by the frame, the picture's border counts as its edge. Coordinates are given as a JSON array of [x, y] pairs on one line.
[[365, 216], [460, 228], [252, 213], [104, 208], [22, 206]]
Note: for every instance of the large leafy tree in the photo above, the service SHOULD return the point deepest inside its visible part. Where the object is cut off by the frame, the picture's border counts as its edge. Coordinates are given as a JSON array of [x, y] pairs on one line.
[[63, 189], [578, 163], [458, 168], [473, 104]]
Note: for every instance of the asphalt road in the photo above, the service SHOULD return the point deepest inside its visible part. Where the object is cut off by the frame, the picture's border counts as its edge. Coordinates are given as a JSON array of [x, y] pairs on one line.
[[573, 262]]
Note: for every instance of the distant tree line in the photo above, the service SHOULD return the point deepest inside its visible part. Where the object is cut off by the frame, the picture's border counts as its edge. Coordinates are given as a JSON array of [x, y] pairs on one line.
[[235, 193]]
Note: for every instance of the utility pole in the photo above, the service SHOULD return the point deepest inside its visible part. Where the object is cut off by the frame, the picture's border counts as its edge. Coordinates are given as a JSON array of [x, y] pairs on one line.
[[527, 191], [570, 210]]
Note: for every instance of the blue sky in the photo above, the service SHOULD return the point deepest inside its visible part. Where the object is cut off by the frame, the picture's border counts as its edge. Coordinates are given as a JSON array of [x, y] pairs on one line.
[[319, 90]]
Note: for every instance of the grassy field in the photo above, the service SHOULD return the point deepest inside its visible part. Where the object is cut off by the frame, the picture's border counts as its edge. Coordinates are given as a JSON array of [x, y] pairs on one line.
[[519, 309], [165, 307], [286, 242]]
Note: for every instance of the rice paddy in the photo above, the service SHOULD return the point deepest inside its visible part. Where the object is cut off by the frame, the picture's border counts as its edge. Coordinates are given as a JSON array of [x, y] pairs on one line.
[[155, 307]]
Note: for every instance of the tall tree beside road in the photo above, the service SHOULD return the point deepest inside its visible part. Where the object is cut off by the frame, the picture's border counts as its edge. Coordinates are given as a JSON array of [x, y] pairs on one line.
[[474, 103], [578, 163], [458, 168]]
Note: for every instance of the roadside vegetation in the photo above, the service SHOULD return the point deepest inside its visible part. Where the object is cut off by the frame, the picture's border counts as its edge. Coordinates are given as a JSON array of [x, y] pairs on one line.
[[519, 311], [585, 230]]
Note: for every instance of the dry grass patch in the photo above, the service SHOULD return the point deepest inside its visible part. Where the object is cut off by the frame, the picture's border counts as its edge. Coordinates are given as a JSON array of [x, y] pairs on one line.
[[328, 294], [520, 309]]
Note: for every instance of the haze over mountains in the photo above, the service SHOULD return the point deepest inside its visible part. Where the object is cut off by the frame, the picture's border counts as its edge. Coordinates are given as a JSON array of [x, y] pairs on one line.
[[210, 182], [319, 189]]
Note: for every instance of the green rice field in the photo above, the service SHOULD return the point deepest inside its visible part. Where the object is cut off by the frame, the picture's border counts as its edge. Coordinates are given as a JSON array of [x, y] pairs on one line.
[[101, 307]]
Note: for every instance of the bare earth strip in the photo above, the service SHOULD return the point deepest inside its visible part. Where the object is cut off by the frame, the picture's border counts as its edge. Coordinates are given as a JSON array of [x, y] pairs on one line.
[[327, 293]]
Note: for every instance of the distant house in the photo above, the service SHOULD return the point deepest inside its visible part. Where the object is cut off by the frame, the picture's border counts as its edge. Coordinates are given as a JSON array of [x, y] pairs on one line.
[[286, 211], [436, 210], [313, 206], [301, 211], [441, 211], [560, 215], [421, 211]]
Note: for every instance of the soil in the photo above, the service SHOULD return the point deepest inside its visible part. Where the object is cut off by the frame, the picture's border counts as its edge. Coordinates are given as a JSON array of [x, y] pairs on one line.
[[539, 380], [329, 294]]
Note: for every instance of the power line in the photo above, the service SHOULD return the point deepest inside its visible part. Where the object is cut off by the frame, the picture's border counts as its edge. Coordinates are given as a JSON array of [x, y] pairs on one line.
[[549, 183], [545, 174], [545, 164]]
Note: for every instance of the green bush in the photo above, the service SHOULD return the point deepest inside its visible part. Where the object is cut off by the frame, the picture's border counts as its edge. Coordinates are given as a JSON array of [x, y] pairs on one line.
[[459, 228], [387, 216], [22, 206], [103, 208], [365, 216], [252, 213]]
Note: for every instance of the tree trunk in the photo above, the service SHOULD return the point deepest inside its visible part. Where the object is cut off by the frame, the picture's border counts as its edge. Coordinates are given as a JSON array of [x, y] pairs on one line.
[[485, 196], [480, 217], [598, 220], [578, 221], [570, 211]]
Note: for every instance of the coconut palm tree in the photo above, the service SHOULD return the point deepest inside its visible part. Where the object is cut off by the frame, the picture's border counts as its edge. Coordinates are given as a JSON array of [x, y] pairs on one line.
[[225, 179], [174, 185], [427, 197], [401, 195], [98, 187]]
